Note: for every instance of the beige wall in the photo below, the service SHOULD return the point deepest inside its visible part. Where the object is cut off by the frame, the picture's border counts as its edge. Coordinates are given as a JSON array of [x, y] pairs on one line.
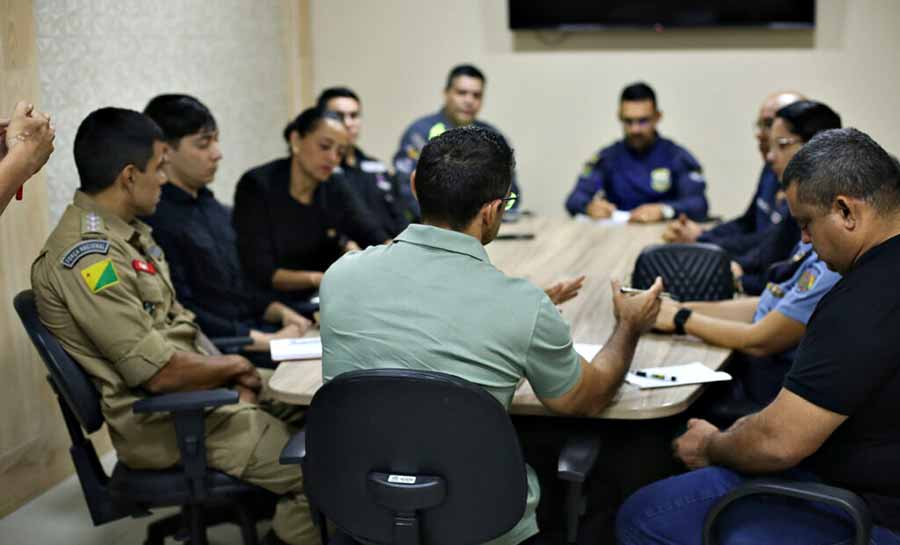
[[554, 94], [231, 54]]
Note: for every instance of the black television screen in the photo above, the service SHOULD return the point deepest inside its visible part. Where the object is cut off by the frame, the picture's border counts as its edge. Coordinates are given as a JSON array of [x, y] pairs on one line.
[[659, 14]]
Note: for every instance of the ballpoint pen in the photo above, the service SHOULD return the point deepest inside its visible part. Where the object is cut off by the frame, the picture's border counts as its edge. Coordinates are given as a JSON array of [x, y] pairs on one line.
[[665, 294]]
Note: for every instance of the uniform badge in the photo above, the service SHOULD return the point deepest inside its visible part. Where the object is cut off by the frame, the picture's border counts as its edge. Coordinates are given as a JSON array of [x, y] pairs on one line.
[[100, 276], [660, 180], [775, 289], [383, 184], [155, 252], [372, 167], [143, 266], [436, 130], [91, 223], [807, 281], [87, 247]]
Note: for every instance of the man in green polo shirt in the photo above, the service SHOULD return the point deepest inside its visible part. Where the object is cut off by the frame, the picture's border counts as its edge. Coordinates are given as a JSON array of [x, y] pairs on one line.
[[432, 300]]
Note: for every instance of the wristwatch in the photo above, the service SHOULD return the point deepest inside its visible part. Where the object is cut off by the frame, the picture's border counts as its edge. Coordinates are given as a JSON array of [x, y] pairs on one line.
[[681, 318], [667, 211]]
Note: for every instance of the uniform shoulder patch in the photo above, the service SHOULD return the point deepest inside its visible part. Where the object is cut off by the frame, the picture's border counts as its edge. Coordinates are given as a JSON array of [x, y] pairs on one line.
[[591, 164], [84, 248], [807, 280], [100, 275], [436, 130]]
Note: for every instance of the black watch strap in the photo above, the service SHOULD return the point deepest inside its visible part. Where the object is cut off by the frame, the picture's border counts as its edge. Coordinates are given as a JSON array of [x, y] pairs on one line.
[[681, 318]]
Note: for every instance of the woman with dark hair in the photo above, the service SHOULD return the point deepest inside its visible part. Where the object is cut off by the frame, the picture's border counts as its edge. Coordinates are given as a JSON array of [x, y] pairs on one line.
[[292, 218]]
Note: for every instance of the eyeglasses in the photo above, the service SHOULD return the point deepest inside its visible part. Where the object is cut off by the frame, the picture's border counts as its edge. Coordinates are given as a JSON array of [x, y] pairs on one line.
[[786, 141], [639, 121], [510, 201]]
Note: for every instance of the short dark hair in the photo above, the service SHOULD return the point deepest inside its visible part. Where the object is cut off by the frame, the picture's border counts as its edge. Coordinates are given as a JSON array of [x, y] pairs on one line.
[[464, 70], [108, 140], [308, 121], [461, 170], [335, 92], [845, 162], [807, 118], [638, 91], [179, 116]]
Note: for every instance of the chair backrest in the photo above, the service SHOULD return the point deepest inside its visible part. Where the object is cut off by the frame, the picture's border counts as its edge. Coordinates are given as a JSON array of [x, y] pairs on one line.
[[68, 378], [373, 436], [80, 405], [691, 272]]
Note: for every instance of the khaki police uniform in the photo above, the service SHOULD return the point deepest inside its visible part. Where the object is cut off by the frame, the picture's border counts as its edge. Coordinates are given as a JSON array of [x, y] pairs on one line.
[[103, 289]]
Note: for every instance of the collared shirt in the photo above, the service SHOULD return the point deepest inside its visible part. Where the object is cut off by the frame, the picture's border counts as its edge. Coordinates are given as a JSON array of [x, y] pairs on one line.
[[767, 208], [411, 143], [102, 288], [201, 249], [432, 300], [664, 173], [849, 364], [795, 298], [379, 190]]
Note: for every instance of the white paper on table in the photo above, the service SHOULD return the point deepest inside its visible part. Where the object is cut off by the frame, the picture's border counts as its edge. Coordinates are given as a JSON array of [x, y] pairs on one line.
[[692, 373], [307, 348], [587, 351], [619, 217]]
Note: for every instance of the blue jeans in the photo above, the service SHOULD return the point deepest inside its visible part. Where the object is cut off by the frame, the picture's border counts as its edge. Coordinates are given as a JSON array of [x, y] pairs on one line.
[[672, 512]]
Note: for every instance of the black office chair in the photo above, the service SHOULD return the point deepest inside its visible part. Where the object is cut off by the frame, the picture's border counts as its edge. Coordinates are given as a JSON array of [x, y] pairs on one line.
[[408, 457], [690, 272], [206, 496], [816, 492]]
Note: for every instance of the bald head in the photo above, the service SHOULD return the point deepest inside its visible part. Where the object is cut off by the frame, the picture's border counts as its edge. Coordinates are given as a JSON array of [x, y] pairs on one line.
[[770, 105]]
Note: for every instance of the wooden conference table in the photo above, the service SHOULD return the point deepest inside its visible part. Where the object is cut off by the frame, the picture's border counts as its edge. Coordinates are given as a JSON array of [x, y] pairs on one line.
[[563, 249]]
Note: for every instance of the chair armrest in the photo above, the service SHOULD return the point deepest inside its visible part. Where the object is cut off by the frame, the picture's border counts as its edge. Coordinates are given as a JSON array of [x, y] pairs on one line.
[[295, 451], [577, 458], [186, 401], [189, 411], [817, 492], [231, 343]]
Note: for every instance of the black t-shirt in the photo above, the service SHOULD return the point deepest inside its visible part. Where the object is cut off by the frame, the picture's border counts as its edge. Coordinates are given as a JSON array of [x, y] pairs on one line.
[[848, 363], [275, 231], [199, 242]]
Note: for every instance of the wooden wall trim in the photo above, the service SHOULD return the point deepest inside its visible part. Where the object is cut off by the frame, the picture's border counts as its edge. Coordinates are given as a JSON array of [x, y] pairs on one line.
[[298, 46], [33, 441]]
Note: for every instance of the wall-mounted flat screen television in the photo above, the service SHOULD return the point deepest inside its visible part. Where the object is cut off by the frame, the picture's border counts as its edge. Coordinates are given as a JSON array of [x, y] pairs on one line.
[[659, 14]]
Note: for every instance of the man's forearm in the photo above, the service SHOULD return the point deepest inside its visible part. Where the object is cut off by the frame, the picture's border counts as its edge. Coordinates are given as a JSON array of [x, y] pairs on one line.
[[288, 279], [613, 361], [187, 371], [274, 312], [747, 446], [740, 310], [719, 332]]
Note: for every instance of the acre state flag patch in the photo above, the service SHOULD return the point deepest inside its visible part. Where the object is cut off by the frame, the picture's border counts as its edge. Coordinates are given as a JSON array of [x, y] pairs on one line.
[[100, 276]]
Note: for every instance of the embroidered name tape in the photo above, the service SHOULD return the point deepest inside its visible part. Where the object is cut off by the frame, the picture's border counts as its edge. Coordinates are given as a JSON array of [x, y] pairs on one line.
[[87, 247]]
